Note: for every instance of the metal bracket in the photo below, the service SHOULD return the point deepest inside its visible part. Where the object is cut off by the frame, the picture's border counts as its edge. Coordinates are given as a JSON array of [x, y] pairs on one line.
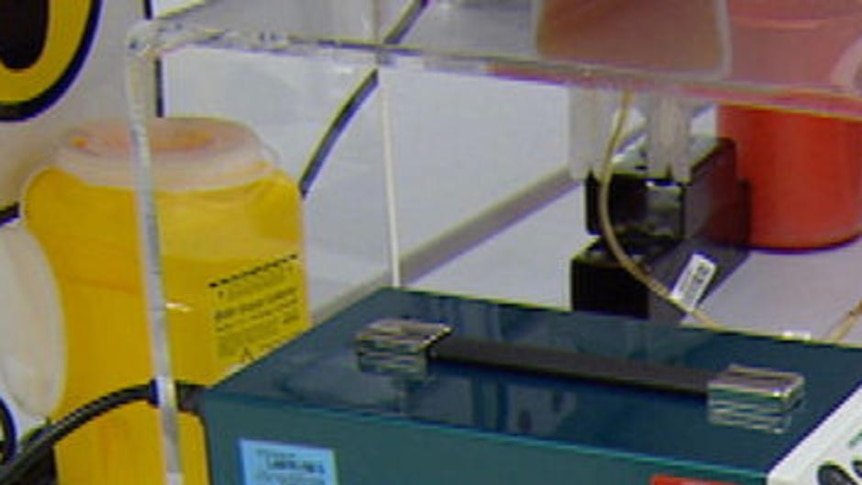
[[754, 398], [398, 346]]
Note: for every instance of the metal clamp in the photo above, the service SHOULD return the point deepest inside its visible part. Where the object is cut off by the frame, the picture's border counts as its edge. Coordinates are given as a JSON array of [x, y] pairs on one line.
[[754, 398], [397, 346]]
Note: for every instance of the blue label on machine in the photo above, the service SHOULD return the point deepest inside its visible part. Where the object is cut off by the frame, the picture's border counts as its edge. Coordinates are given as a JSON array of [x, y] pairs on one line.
[[266, 463]]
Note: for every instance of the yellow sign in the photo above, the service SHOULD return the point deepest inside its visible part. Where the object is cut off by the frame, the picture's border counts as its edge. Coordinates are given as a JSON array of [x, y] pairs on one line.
[[43, 45]]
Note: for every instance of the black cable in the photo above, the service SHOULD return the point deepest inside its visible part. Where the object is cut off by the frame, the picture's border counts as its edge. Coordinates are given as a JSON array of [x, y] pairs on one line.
[[10, 434], [45, 442], [9, 213], [344, 116], [189, 398], [40, 445], [44, 470], [354, 102], [406, 22]]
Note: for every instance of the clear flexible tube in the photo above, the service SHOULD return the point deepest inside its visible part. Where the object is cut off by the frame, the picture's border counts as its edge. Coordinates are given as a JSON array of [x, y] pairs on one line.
[[840, 331], [606, 224]]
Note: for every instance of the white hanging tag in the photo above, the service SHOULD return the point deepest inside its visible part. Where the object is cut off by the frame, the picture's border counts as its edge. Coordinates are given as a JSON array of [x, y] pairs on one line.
[[693, 282]]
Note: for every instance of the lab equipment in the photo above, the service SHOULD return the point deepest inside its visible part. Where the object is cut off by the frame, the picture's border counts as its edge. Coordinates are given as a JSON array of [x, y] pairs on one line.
[[327, 407], [663, 223]]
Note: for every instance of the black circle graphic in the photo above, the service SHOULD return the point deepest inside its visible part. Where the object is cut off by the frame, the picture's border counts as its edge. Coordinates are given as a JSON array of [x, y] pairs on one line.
[[23, 31]]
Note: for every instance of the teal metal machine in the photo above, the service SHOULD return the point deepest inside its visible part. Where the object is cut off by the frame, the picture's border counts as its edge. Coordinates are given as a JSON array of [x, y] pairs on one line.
[[315, 413]]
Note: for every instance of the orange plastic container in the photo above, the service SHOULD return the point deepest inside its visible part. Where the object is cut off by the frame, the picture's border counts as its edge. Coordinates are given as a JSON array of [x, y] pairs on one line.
[[805, 170], [805, 173]]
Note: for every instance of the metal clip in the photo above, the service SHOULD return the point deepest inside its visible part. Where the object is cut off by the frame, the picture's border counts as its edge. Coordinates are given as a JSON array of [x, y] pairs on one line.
[[754, 398], [396, 346]]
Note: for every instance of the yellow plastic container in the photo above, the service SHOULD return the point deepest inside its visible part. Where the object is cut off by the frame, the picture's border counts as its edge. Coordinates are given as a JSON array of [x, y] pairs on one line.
[[231, 241]]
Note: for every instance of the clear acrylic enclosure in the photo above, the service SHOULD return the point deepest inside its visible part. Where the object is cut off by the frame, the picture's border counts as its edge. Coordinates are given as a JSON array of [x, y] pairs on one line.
[[419, 176], [442, 144]]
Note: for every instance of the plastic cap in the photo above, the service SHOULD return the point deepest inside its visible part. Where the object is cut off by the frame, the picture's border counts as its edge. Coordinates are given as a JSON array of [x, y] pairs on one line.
[[187, 154], [32, 339]]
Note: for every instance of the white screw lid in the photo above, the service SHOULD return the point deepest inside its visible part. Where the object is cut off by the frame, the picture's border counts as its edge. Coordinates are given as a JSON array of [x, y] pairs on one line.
[[187, 154], [32, 337]]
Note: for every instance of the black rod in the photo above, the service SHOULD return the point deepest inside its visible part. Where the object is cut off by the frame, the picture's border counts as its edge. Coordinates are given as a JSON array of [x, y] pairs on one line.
[[571, 365]]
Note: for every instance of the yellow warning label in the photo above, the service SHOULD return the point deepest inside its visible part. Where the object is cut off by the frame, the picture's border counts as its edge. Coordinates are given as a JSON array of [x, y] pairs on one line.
[[257, 310]]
